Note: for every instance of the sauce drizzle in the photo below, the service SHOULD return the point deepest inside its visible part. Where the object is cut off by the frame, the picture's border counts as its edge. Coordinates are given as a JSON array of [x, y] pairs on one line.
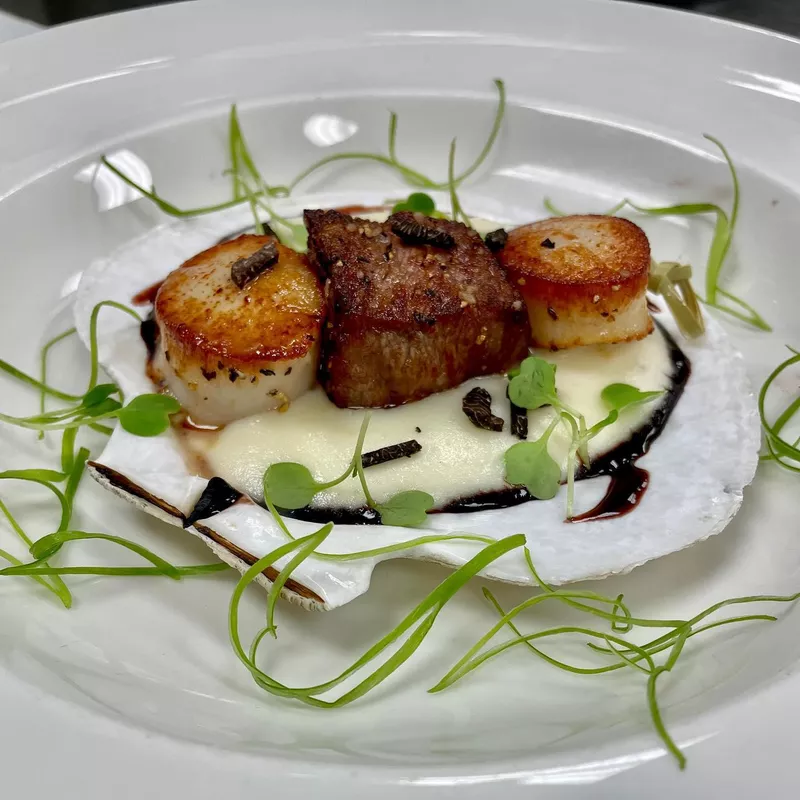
[[628, 482], [626, 489], [147, 296]]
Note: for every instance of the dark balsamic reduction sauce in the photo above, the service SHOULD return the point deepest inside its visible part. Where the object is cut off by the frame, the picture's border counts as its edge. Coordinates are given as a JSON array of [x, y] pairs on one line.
[[147, 296], [217, 496], [628, 482], [627, 487], [148, 330], [338, 516], [652, 307]]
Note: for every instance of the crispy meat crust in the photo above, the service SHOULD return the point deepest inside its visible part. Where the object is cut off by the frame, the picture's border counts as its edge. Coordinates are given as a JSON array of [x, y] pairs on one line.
[[405, 321]]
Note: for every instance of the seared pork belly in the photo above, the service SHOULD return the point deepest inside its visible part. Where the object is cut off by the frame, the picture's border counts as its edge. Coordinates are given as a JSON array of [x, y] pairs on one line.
[[583, 279], [415, 306], [238, 329]]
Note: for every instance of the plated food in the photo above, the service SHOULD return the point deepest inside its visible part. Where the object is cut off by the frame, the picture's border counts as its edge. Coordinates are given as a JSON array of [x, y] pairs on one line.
[[318, 387], [442, 421]]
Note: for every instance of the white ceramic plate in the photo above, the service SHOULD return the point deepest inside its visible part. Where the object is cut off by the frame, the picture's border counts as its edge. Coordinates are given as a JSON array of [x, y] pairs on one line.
[[135, 691]]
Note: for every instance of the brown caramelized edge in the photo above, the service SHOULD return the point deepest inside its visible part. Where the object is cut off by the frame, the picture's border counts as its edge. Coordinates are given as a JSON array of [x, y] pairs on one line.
[[633, 251], [125, 484], [192, 341]]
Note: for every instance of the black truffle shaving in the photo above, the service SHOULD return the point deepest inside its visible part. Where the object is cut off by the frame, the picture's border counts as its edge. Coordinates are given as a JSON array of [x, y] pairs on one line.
[[496, 240], [338, 516], [519, 420], [217, 496], [390, 453], [246, 270], [477, 405], [413, 232], [148, 330]]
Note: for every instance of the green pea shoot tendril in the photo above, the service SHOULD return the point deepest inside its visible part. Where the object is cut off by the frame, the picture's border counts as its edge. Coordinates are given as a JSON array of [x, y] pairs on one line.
[[690, 318], [783, 451], [409, 175]]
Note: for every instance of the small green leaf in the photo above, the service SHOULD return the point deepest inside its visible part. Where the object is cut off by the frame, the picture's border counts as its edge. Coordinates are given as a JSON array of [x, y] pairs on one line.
[[107, 406], [290, 485], [604, 423], [618, 396], [535, 384], [148, 414], [406, 509], [97, 395], [416, 201], [529, 464]]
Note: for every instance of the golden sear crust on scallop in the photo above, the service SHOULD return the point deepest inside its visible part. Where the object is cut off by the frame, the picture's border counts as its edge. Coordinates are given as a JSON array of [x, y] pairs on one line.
[[583, 279], [586, 249], [276, 317]]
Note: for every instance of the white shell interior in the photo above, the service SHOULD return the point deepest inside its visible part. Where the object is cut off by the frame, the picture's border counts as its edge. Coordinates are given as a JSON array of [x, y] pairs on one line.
[[699, 466]]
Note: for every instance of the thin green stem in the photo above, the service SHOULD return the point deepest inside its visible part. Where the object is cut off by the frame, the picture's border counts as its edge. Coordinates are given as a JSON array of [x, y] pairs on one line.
[[392, 136], [166, 207], [43, 366], [68, 450], [455, 204], [422, 616], [48, 545], [493, 133], [93, 347], [778, 446], [11, 370], [233, 152], [37, 568], [36, 578]]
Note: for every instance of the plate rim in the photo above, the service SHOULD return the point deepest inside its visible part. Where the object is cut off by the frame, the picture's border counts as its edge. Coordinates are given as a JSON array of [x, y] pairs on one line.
[[785, 690]]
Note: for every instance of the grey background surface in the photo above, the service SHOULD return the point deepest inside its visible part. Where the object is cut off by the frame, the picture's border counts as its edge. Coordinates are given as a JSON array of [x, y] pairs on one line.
[[781, 15]]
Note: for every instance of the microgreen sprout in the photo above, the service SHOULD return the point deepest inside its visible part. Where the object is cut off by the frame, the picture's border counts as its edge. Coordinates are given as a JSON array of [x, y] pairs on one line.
[[409, 175], [783, 451], [249, 186], [537, 387], [145, 414], [418, 202], [417, 623], [456, 210], [289, 485], [623, 653], [43, 368], [673, 280], [529, 464], [532, 385], [165, 206], [244, 171]]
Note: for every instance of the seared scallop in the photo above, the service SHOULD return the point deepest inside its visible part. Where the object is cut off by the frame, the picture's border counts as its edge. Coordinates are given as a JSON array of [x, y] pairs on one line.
[[229, 347], [583, 279]]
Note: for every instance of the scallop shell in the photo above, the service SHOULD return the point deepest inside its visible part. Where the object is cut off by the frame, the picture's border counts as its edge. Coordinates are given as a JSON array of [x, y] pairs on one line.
[[700, 464]]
